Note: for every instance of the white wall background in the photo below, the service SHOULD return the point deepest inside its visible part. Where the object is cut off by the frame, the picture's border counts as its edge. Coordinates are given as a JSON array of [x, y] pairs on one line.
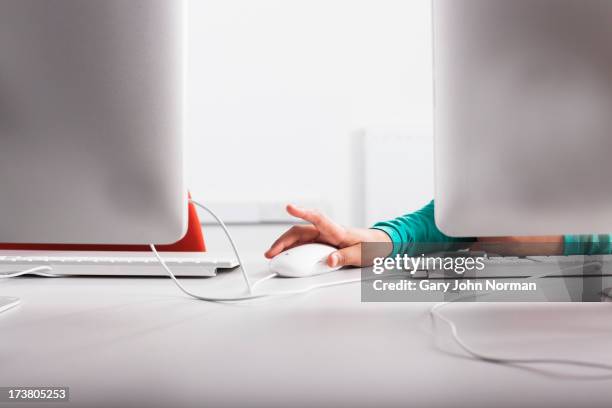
[[278, 89]]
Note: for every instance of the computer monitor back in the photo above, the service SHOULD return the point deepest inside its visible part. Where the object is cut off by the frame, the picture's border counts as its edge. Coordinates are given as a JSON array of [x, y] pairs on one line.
[[523, 116], [91, 121]]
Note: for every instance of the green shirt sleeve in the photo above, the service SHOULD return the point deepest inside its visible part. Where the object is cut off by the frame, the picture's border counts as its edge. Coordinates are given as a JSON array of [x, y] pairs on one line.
[[413, 232], [587, 244]]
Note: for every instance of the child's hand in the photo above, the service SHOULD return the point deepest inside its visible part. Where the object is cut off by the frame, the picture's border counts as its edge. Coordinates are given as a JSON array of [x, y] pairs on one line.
[[325, 231]]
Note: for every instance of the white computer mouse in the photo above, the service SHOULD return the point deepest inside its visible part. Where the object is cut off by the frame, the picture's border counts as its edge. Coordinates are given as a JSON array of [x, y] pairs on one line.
[[302, 261]]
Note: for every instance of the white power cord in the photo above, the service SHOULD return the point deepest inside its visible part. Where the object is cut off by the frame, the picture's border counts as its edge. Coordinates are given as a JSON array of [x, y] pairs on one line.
[[229, 237], [434, 311]]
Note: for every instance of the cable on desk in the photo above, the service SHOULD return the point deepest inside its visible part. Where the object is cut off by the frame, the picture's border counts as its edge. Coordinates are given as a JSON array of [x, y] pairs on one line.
[[434, 311], [262, 280], [250, 293], [43, 271], [253, 296], [230, 239]]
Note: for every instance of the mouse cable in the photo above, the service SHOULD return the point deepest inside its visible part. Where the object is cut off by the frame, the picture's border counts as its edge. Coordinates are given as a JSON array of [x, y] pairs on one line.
[[254, 295], [262, 280], [250, 294], [435, 312], [230, 239]]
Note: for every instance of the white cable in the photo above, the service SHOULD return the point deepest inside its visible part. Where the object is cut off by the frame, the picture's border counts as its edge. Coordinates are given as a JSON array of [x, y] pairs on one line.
[[262, 280], [231, 240], [249, 296], [42, 271], [434, 311], [253, 296], [193, 295]]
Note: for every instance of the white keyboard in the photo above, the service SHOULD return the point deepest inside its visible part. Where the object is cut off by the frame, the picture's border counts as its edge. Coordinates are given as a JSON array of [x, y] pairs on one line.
[[185, 264]]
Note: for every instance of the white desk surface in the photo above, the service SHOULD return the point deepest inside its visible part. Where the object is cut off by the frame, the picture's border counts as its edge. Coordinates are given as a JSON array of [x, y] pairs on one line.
[[141, 343]]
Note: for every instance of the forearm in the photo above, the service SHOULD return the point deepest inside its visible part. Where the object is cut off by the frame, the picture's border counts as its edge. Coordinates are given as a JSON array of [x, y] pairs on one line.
[[417, 233]]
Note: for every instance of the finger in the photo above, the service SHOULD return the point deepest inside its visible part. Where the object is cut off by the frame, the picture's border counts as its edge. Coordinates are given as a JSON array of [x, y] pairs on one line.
[[296, 235], [350, 256], [290, 238], [324, 224]]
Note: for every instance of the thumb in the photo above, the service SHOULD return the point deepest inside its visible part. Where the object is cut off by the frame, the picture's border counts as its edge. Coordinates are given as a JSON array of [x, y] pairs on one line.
[[350, 256]]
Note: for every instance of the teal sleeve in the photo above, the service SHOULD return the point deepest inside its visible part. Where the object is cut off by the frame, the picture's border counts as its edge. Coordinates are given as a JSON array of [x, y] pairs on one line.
[[587, 244], [412, 233], [410, 230]]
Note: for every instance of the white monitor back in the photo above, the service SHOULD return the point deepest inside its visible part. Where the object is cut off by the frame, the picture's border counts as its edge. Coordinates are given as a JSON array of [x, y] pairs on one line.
[[91, 121], [523, 116]]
